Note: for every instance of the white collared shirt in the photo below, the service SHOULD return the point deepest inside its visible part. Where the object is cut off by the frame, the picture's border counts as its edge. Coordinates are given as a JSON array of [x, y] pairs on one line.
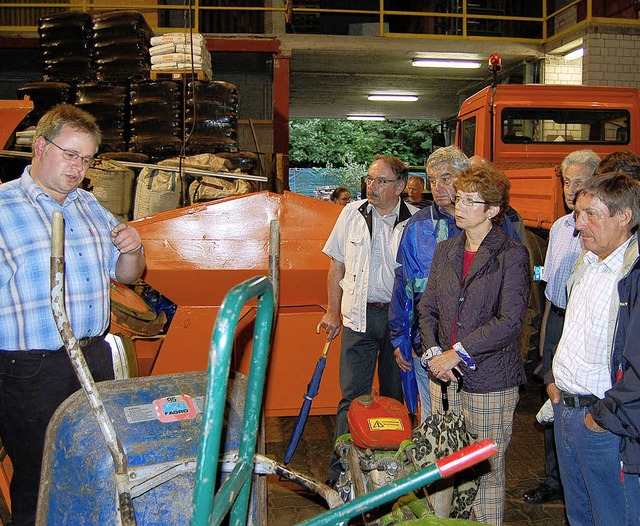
[[582, 360], [383, 255]]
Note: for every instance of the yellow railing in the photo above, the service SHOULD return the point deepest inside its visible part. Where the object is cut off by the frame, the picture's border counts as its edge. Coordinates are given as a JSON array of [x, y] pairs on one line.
[[471, 19]]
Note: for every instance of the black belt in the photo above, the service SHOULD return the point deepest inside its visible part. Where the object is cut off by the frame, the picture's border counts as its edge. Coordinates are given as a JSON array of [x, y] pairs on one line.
[[378, 305], [560, 312], [577, 401]]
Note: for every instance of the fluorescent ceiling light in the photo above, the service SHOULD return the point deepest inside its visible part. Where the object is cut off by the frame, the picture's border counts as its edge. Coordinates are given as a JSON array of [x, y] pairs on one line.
[[393, 98], [576, 53], [458, 64], [365, 117]]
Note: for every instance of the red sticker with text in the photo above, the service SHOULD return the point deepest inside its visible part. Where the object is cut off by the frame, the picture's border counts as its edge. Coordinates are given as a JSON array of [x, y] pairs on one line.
[[173, 408]]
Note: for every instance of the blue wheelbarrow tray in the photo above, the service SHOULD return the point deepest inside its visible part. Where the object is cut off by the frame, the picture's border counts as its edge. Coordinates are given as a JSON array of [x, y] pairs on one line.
[[78, 483]]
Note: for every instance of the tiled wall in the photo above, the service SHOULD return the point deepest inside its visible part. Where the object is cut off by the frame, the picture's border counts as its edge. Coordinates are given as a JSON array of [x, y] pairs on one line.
[[612, 60], [557, 70]]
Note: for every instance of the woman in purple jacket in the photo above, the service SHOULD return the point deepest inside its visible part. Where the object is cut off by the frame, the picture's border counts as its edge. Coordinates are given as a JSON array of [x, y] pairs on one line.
[[470, 317]]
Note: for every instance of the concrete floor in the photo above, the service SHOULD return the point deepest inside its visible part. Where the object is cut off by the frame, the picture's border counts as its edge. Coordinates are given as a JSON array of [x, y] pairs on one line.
[[289, 504]]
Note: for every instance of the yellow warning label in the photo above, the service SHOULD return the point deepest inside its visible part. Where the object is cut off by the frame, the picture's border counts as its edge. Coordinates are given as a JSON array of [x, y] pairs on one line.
[[385, 424]]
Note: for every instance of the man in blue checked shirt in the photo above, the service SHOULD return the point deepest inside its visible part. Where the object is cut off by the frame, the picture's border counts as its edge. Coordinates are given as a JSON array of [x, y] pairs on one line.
[[35, 372]]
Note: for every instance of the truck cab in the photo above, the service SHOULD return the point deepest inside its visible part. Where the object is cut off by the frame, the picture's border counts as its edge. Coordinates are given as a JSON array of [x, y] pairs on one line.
[[527, 130]]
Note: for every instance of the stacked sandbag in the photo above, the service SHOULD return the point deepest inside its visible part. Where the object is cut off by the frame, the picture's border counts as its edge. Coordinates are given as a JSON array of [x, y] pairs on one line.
[[65, 45], [159, 190], [155, 120], [44, 96], [212, 115], [180, 52], [108, 104], [112, 185], [121, 46], [208, 188], [242, 161]]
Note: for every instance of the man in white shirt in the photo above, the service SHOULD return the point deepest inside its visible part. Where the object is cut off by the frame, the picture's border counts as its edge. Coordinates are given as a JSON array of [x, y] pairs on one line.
[[362, 247], [596, 490]]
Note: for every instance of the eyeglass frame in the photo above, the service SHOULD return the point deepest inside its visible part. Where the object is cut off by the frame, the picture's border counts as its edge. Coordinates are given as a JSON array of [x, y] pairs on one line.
[[467, 201], [379, 180], [72, 156]]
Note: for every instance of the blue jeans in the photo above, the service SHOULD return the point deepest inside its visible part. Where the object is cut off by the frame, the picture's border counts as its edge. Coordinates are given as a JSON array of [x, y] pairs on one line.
[[422, 378], [590, 473], [358, 356]]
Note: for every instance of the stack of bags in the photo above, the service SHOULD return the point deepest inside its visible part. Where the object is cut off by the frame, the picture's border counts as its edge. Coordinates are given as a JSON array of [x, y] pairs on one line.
[[180, 52], [212, 115], [66, 45], [44, 96], [108, 104], [155, 119], [121, 46]]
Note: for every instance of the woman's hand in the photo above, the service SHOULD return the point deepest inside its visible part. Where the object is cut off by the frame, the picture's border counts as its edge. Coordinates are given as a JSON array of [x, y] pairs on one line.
[[442, 365]]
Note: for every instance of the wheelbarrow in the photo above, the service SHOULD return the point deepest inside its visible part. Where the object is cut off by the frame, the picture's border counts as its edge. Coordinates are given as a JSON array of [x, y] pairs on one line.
[[126, 451]]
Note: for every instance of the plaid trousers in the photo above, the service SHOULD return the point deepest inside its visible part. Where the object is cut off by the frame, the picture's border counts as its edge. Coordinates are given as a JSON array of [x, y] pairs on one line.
[[487, 415]]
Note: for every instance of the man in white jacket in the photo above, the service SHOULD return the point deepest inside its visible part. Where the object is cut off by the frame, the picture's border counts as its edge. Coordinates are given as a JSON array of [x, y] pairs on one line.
[[362, 248]]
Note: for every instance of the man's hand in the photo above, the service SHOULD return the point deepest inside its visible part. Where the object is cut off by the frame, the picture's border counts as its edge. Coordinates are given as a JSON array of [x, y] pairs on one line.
[[331, 324], [402, 363], [591, 424], [554, 393], [126, 239]]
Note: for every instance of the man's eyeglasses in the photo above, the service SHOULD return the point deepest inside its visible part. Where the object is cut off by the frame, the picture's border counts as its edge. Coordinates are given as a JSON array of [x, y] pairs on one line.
[[70, 156], [467, 201], [446, 180], [378, 180]]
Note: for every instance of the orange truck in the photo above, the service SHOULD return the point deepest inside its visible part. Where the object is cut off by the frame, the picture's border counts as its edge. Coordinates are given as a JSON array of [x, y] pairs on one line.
[[527, 130]]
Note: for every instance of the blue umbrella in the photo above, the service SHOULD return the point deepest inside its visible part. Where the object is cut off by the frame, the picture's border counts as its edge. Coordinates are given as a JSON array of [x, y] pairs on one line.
[[312, 391], [409, 383]]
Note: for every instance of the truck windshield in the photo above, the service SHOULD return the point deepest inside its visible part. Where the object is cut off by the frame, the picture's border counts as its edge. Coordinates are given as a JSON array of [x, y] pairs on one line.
[[547, 125]]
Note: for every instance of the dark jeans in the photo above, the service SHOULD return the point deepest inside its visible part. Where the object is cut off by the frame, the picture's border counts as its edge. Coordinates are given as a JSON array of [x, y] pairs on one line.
[[358, 356], [555, 322], [32, 386]]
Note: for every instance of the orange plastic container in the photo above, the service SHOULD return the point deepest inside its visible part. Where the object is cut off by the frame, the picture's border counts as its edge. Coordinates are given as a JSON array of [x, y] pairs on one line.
[[378, 422]]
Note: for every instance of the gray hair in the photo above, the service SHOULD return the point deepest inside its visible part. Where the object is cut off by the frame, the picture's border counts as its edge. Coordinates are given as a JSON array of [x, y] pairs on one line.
[[587, 158], [450, 155]]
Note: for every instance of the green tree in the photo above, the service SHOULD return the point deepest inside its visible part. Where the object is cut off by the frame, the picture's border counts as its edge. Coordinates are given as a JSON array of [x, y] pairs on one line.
[[316, 142]]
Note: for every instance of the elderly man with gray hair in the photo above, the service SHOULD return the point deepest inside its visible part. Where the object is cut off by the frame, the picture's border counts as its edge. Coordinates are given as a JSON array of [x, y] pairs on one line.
[[601, 291], [362, 247]]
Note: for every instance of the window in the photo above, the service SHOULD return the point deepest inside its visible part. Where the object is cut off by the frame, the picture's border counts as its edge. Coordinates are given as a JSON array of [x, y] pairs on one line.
[[468, 143], [546, 125]]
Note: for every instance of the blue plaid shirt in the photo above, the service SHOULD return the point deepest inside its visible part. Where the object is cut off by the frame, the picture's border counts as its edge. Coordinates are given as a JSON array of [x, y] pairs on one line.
[[26, 321]]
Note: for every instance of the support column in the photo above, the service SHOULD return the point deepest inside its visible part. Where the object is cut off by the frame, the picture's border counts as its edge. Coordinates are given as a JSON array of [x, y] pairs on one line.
[[281, 114]]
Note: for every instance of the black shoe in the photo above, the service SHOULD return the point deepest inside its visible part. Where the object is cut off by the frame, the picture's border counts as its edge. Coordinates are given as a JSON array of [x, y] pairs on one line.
[[543, 493]]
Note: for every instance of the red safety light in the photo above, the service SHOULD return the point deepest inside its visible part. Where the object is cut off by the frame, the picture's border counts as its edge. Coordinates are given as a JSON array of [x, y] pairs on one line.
[[495, 63]]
